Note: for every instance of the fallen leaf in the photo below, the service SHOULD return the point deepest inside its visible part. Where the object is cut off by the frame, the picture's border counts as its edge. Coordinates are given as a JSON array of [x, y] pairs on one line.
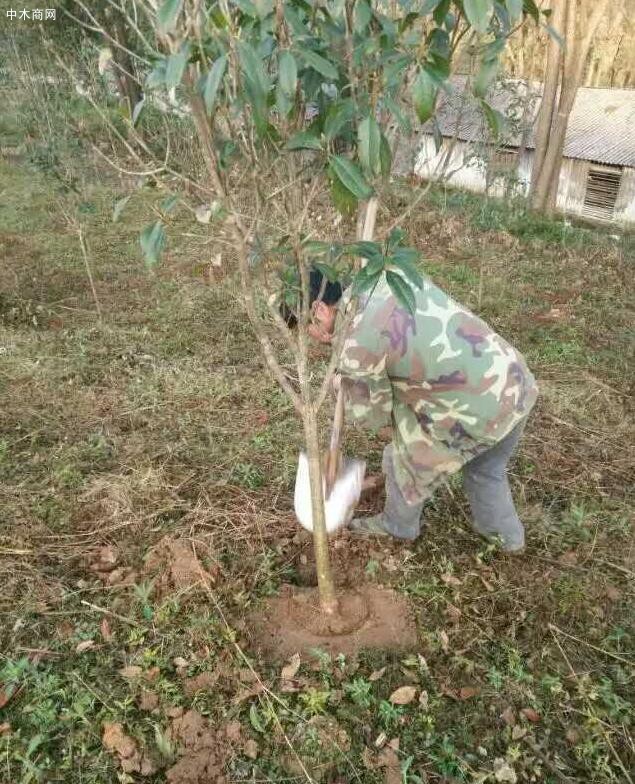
[[4, 697], [291, 668], [105, 630], [115, 739], [613, 593], [152, 674], [570, 558], [508, 716], [467, 692], [5, 727], [148, 768], [504, 772], [403, 695], [423, 699], [453, 612], [530, 714], [518, 732], [148, 701], [450, 579], [444, 640], [377, 674], [132, 671], [251, 749], [85, 645]]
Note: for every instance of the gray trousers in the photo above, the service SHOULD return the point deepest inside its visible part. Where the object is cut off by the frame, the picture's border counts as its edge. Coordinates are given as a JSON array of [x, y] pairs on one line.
[[486, 486]]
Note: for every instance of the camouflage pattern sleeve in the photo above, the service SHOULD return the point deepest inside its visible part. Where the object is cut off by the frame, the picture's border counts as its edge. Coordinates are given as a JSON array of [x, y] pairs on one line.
[[366, 384]]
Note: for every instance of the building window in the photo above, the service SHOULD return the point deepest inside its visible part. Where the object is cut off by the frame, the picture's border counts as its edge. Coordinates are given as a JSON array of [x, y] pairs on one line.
[[602, 188]]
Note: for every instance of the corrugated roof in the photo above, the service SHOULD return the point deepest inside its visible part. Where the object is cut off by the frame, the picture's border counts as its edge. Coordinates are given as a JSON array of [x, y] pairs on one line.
[[601, 125]]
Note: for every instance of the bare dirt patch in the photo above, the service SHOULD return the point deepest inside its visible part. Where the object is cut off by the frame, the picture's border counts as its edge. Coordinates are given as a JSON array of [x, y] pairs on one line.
[[177, 566], [204, 751], [371, 617]]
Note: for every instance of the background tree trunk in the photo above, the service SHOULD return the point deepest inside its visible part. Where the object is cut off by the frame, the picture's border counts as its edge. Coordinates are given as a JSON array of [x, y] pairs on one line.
[[124, 67], [549, 95], [578, 38]]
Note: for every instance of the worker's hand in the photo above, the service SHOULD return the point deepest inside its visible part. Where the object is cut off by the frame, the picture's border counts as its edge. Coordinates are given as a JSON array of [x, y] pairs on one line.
[[319, 333]]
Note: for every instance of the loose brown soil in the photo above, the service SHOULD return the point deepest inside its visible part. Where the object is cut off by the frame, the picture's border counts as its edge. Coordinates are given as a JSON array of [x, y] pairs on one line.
[[371, 617]]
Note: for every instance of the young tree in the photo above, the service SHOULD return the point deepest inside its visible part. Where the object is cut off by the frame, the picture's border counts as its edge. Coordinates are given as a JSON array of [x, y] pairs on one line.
[[298, 105]]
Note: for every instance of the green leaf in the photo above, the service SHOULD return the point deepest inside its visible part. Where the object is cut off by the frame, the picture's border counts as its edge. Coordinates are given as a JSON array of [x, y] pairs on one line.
[[169, 203], [478, 13], [327, 270], [393, 108], [364, 248], [337, 116], [405, 259], [211, 82], [515, 9], [385, 156], [495, 119], [316, 247], [441, 11], [284, 104], [428, 6], [287, 73], [253, 68], [344, 201], [349, 174], [318, 63], [402, 291], [156, 77], [485, 76], [369, 144], [152, 241], [247, 7], [137, 111], [304, 140], [175, 66], [363, 281], [375, 265], [530, 7], [254, 718], [362, 14], [119, 206], [424, 93], [168, 14]]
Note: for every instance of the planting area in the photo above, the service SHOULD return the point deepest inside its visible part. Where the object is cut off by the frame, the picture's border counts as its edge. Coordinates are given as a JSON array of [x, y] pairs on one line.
[[147, 464]]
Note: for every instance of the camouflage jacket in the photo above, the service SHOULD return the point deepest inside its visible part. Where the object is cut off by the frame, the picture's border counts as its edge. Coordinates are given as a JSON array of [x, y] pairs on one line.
[[446, 382]]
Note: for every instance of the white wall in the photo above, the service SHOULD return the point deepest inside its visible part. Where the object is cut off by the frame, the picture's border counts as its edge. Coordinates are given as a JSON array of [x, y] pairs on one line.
[[461, 170], [451, 167]]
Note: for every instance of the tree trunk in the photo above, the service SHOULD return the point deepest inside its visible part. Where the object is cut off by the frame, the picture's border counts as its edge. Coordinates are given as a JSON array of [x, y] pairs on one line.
[[549, 94], [124, 68], [326, 586], [577, 50]]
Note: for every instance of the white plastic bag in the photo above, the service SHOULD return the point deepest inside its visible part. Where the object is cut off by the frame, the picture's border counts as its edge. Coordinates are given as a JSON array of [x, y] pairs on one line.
[[340, 506]]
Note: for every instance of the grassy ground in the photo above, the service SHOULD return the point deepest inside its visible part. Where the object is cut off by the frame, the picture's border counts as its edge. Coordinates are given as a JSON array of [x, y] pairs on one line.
[[146, 468]]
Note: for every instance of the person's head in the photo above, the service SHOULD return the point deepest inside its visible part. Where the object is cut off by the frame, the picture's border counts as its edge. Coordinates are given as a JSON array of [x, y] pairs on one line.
[[323, 298]]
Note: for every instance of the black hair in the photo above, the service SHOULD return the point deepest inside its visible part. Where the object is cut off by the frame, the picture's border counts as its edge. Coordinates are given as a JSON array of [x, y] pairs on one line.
[[331, 294]]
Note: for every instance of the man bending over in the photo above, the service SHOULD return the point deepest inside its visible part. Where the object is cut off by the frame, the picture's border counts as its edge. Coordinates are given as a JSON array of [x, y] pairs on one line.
[[456, 394]]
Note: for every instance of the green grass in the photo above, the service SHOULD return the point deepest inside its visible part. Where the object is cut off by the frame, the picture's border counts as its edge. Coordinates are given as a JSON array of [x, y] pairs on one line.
[[160, 420]]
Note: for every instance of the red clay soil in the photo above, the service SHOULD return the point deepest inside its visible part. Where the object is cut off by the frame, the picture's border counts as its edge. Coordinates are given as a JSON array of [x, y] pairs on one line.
[[371, 617]]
